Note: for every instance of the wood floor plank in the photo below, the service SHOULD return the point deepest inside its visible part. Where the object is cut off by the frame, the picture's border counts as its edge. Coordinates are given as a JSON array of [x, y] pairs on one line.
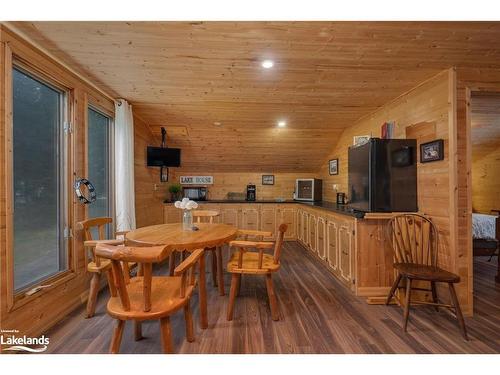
[[318, 315]]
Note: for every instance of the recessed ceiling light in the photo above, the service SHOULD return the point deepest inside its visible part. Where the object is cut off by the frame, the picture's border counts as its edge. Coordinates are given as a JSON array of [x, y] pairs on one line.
[[217, 123], [267, 64], [281, 124]]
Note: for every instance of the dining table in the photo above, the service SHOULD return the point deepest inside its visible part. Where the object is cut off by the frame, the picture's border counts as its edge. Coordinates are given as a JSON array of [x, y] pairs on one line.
[[177, 239]]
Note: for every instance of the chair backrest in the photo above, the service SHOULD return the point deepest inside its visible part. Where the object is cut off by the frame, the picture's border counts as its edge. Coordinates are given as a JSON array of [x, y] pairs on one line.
[[205, 215], [146, 257], [279, 242], [88, 225], [414, 239]]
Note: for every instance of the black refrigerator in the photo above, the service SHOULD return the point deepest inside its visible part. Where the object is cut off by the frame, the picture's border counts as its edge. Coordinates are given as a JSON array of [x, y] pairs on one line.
[[383, 175]]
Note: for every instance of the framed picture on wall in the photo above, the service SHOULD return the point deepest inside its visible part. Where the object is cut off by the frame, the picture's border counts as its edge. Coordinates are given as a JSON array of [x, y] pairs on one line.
[[432, 151], [333, 167], [267, 179]]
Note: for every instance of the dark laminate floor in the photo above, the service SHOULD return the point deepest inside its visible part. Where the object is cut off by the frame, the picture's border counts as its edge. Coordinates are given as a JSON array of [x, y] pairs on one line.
[[318, 316]]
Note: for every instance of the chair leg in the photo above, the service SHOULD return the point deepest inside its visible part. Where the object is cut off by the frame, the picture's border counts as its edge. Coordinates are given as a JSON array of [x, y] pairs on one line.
[[94, 289], [171, 263], [407, 304], [272, 297], [458, 311], [238, 286], [220, 272], [214, 268], [188, 317], [393, 289], [111, 283], [166, 335], [117, 337], [232, 295], [137, 330], [435, 298]]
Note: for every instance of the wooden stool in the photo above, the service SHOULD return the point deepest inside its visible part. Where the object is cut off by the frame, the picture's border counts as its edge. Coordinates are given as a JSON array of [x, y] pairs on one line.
[[414, 240]]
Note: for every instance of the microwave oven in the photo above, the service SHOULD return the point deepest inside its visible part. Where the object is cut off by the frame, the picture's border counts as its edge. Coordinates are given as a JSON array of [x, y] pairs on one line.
[[308, 189], [195, 193]]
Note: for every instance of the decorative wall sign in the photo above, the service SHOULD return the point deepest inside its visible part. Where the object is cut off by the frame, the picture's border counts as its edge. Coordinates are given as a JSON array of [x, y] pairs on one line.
[[432, 151], [267, 179], [196, 180], [333, 166]]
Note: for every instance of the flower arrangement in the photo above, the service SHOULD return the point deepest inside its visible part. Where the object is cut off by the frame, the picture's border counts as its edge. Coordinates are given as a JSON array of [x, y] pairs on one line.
[[186, 204], [187, 217]]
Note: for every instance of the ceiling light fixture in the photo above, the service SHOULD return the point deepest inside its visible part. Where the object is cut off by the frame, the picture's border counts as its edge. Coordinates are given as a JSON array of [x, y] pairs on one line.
[[267, 64], [281, 124]]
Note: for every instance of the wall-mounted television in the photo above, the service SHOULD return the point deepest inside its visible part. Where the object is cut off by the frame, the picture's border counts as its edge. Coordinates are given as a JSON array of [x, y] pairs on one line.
[[164, 157]]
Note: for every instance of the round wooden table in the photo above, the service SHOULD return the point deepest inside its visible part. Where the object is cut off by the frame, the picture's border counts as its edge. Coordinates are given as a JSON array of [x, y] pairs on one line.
[[177, 239]]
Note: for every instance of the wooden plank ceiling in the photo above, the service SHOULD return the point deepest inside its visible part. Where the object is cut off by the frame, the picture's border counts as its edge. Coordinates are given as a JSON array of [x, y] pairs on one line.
[[326, 76]]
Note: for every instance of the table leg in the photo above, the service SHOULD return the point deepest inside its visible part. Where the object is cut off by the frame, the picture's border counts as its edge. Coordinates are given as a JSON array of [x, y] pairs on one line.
[[203, 294]]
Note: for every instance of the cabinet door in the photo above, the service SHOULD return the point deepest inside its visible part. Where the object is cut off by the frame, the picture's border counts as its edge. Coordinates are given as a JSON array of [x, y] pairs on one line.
[[268, 220], [312, 233], [332, 244], [250, 218], [286, 215], [230, 215], [345, 250], [172, 215], [321, 243], [299, 225], [305, 228]]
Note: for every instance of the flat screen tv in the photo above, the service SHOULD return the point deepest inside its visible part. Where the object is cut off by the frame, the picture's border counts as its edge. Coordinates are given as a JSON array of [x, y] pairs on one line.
[[164, 157]]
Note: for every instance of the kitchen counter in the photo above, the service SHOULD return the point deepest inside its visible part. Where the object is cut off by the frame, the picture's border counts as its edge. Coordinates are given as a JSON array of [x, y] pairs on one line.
[[328, 206]]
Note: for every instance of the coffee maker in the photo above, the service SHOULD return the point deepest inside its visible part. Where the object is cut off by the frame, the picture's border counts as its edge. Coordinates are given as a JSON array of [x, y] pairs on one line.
[[251, 192]]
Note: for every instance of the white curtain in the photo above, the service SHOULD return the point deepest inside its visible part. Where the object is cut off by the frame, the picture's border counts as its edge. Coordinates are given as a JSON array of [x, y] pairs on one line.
[[124, 166]]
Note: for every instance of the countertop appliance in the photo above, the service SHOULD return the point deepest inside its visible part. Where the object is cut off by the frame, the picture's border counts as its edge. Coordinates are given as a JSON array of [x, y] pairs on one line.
[[251, 192], [383, 176], [195, 193], [308, 189]]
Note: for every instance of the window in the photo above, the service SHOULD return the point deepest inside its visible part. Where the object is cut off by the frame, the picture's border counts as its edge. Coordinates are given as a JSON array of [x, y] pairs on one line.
[[39, 219], [99, 164]]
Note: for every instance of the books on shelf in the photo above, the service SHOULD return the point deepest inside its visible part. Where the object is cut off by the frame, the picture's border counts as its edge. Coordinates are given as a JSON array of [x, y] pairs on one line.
[[387, 130]]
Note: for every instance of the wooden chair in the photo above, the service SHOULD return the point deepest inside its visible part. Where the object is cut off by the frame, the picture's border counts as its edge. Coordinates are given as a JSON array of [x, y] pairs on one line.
[[95, 265], [414, 240], [208, 216], [149, 297], [244, 261]]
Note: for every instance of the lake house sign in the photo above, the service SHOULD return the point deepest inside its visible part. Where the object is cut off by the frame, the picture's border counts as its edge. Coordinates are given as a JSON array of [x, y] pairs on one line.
[[197, 180]]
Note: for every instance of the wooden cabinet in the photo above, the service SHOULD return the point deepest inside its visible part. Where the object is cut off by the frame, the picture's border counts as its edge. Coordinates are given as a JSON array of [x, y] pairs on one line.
[[171, 214], [286, 214], [312, 233], [321, 237], [305, 230], [230, 214], [250, 217], [345, 243], [299, 225], [268, 220], [332, 244]]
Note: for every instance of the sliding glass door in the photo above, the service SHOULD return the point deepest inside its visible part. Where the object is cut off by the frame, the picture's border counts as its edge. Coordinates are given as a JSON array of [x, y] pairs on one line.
[[99, 163], [40, 248]]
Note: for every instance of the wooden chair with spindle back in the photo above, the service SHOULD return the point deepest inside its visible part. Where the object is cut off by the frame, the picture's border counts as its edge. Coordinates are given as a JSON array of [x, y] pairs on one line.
[[95, 265], [414, 240], [149, 297], [246, 262], [208, 216]]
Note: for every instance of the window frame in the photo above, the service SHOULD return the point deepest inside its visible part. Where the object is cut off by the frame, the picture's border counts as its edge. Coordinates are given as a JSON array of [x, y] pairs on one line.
[[18, 298], [91, 103]]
